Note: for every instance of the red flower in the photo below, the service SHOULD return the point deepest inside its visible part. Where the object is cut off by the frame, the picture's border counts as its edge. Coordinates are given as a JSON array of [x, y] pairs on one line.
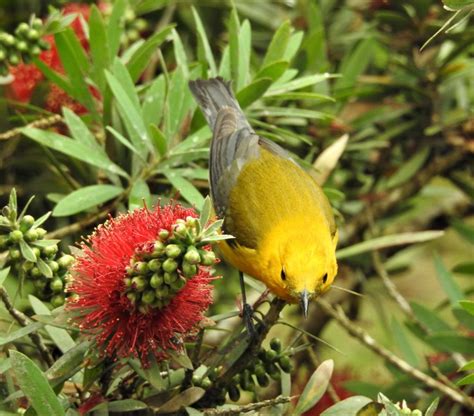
[[99, 284]]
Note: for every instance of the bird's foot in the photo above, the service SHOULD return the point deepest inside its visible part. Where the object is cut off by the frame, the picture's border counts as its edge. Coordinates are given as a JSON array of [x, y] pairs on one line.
[[248, 316]]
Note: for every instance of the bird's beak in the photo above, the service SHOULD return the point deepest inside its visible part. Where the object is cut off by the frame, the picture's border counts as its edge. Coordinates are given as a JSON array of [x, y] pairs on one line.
[[304, 299]]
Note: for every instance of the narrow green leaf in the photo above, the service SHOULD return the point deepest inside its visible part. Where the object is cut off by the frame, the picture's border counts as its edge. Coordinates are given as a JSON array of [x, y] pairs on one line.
[[234, 47], [126, 405], [298, 84], [208, 57], [451, 343], [464, 230], [467, 366], [44, 268], [187, 190], [115, 27], [273, 71], [347, 407], [4, 275], [45, 243], [154, 101], [139, 195], [99, 47], [79, 130], [429, 318], [59, 336], [68, 364], [464, 268], [20, 333], [142, 55], [183, 399], [467, 305], [85, 198], [41, 220], [315, 388], [122, 75], [277, 48], [27, 251], [400, 337], [432, 407], [178, 91], [179, 53], [464, 318], [206, 210], [245, 49], [293, 45], [60, 80], [458, 4], [469, 379], [72, 148], [449, 285], [35, 386], [124, 141], [388, 241], [253, 91], [409, 168], [159, 139]]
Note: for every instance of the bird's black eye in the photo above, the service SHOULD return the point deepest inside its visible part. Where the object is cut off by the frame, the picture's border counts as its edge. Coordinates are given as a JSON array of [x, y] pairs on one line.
[[325, 278], [283, 274]]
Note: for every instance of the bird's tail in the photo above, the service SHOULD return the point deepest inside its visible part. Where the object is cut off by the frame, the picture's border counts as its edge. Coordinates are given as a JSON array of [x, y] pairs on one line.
[[213, 95]]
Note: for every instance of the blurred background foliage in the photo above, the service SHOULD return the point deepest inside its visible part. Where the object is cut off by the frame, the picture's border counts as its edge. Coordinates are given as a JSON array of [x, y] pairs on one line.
[[308, 73]]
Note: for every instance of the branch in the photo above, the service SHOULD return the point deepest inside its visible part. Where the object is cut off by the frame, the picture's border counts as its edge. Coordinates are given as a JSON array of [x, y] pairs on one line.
[[237, 410], [357, 332], [42, 123], [23, 320]]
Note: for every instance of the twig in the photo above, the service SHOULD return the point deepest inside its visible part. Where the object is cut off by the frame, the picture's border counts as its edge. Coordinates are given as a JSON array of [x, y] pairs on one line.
[[357, 332], [23, 320], [78, 226], [248, 407], [42, 123]]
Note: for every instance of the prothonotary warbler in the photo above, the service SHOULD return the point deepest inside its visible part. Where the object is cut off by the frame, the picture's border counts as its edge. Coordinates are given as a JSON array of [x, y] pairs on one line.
[[284, 229]]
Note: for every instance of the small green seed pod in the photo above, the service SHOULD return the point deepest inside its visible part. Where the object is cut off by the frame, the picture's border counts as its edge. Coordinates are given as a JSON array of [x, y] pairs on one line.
[[27, 266], [22, 29], [53, 265], [65, 261], [189, 270], [212, 374], [56, 285], [57, 300], [16, 236], [40, 284], [270, 355], [285, 363], [35, 50], [169, 265], [140, 24], [3, 55], [35, 272], [37, 251], [170, 278], [43, 45], [179, 283], [26, 222], [41, 232], [263, 380], [141, 268], [148, 297], [275, 345], [154, 265], [14, 254], [22, 46], [192, 255], [173, 251], [50, 251], [206, 383], [37, 24], [163, 234], [31, 235], [208, 258], [14, 59], [156, 281], [180, 231], [128, 282], [132, 297], [259, 370], [139, 283], [271, 367], [32, 34], [234, 393]]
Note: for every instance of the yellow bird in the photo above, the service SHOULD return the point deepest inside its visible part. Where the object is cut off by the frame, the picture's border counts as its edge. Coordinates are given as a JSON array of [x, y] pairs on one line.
[[284, 229]]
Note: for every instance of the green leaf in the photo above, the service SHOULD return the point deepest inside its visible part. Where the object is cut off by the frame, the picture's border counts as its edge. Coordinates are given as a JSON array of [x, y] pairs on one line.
[[183, 399], [315, 388], [432, 407], [154, 101], [139, 195], [179, 53], [400, 337], [68, 364], [458, 4], [293, 45], [467, 366], [27, 251], [141, 57], [429, 318], [127, 405], [206, 210], [59, 336], [234, 47], [41, 220], [35, 386], [85, 198], [245, 49], [177, 97], [115, 27], [207, 58], [20, 333], [451, 343], [4, 275], [467, 305], [55, 77], [253, 91], [449, 285], [79, 130], [464, 230], [464, 318], [469, 379], [158, 138], [44, 268], [464, 268], [72, 148], [409, 168], [277, 48], [124, 141], [187, 190], [99, 47], [347, 407], [273, 71], [387, 241], [298, 84]]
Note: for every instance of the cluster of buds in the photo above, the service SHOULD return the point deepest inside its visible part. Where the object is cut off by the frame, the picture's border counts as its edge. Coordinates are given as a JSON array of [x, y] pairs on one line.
[[22, 46], [266, 366], [134, 28], [30, 255], [158, 272]]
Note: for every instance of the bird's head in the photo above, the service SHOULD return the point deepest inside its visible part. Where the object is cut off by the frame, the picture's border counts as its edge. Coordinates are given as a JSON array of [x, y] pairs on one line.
[[302, 264]]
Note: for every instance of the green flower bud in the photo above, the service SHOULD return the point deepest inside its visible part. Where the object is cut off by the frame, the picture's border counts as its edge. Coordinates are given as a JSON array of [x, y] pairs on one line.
[[35, 50], [285, 363], [14, 59], [4, 70], [148, 297], [129, 270], [275, 344], [35, 272], [270, 355], [163, 234], [50, 250], [43, 45], [65, 261], [132, 297], [139, 283], [208, 258], [263, 380], [57, 300], [40, 284], [169, 265], [4, 240], [416, 412], [143, 309], [180, 231], [14, 254], [212, 374], [260, 370], [26, 222], [141, 267], [27, 266], [56, 285], [37, 251], [41, 232], [206, 383], [22, 46], [179, 283], [37, 24], [173, 250], [31, 235], [133, 35], [16, 236], [53, 265], [192, 256], [156, 281], [196, 380], [162, 292], [154, 265], [9, 40], [189, 270], [140, 24], [129, 15], [128, 282], [3, 55], [234, 393], [22, 29], [32, 34]]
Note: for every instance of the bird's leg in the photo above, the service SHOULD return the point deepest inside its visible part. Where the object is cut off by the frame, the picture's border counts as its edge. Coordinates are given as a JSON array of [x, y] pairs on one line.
[[247, 311]]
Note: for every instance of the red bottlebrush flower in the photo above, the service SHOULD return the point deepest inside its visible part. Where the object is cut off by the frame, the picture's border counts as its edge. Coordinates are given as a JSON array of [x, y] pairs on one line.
[[58, 98], [106, 306]]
